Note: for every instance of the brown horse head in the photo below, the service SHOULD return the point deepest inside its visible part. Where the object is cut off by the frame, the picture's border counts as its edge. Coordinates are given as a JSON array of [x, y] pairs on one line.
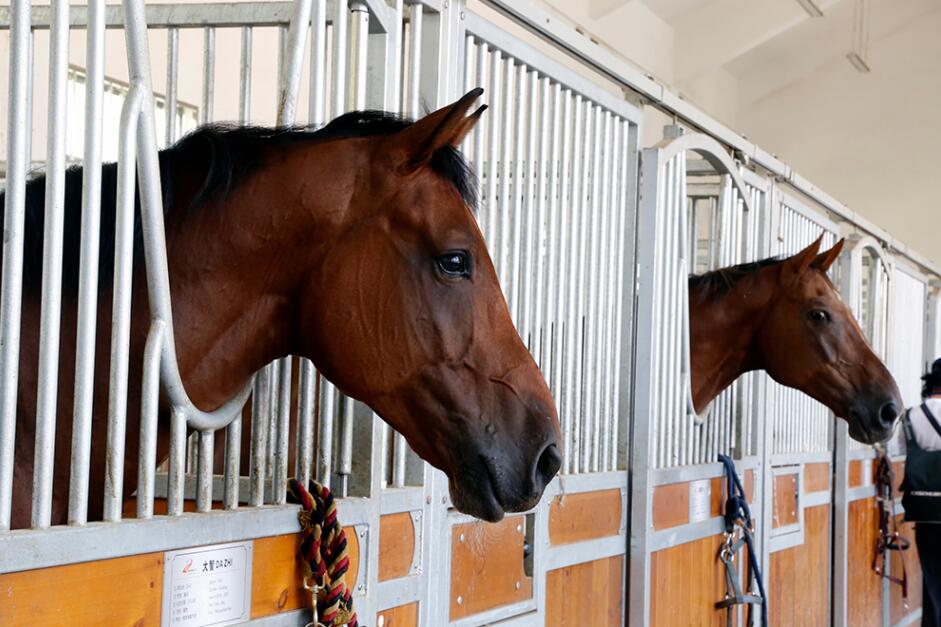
[[404, 312], [810, 341]]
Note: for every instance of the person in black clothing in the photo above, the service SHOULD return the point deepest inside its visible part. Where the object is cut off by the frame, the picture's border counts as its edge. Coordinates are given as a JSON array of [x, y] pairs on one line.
[[922, 489]]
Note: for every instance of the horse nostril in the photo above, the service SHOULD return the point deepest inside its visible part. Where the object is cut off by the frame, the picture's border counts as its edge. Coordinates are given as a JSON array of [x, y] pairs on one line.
[[547, 465], [888, 413]]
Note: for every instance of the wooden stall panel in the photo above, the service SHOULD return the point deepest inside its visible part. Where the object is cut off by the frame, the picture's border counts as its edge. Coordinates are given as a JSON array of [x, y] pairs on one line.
[[686, 581], [817, 477], [670, 505], [864, 588], [396, 545], [897, 609], [586, 594], [277, 574], [799, 578], [121, 591], [578, 517], [487, 566], [784, 511], [399, 616]]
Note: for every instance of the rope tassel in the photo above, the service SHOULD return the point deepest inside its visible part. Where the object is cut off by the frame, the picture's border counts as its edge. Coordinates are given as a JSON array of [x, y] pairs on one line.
[[325, 555]]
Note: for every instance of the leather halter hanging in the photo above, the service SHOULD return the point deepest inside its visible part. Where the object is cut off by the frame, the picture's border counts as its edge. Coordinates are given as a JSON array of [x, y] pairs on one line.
[[890, 539], [739, 532]]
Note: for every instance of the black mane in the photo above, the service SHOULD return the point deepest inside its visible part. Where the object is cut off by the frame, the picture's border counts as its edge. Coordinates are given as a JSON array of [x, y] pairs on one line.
[[718, 282], [220, 155]]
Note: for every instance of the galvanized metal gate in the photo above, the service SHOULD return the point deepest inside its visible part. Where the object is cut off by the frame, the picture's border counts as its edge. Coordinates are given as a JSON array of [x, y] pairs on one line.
[[567, 201]]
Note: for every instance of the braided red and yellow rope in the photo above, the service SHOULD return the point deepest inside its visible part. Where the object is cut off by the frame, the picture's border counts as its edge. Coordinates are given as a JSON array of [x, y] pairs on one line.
[[324, 552]]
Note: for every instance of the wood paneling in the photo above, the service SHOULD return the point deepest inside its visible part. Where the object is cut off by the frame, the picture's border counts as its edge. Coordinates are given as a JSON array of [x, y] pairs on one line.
[[277, 584], [864, 588], [277, 576], [686, 582], [487, 566], [578, 517], [586, 594], [670, 505], [817, 477], [399, 616], [396, 545], [855, 473], [784, 499], [913, 568], [798, 578], [121, 591]]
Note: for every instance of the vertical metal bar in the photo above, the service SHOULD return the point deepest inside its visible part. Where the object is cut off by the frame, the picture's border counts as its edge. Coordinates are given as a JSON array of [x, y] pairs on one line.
[[259, 454], [233, 452], [479, 137], [53, 227], [561, 212], [626, 211], [245, 76], [606, 292], [121, 308], [293, 59], [493, 148], [345, 458], [544, 297], [318, 57], [88, 266], [209, 72], [506, 123], [359, 33], [340, 18], [596, 297], [173, 66], [572, 325], [515, 242], [279, 474], [416, 17], [399, 456], [306, 395], [19, 149], [150, 406], [176, 468], [327, 416], [204, 471], [535, 231]]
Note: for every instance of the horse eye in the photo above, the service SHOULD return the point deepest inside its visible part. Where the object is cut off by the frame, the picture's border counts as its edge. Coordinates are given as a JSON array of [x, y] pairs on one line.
[[818, 316], [454, 264]]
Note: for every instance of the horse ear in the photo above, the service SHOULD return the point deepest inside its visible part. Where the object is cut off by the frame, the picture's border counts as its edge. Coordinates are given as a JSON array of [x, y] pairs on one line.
[[796, 265], [416, 144], [825, 259]]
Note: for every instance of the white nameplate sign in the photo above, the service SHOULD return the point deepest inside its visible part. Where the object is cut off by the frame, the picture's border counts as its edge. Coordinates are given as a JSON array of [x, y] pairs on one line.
[[700, 497], [208, 585]]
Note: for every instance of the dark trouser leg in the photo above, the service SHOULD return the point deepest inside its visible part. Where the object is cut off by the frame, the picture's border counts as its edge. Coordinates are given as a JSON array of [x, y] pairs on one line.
[[928, 538]]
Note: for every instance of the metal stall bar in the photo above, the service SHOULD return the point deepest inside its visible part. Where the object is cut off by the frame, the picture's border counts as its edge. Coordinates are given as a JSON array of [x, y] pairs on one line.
[[209, 72], [53, 234], [173, 71], [88, 266], [19, 148], [245, 76], [121, 309]]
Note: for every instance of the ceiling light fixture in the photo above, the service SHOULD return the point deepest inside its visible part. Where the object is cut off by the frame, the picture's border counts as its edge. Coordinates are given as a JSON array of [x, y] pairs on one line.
[[811, 7], [859, 52]]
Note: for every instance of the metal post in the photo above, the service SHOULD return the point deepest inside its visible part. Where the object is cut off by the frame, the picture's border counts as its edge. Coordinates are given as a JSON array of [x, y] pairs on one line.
[[150, 405], [121, 309], [53, 226], [19, 149], [88, 265], [209, 73], [173, 64], [245, 76]]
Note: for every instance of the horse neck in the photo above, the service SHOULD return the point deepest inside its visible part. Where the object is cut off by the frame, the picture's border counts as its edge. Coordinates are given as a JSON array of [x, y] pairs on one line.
[[723, 332], [235, 268]]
